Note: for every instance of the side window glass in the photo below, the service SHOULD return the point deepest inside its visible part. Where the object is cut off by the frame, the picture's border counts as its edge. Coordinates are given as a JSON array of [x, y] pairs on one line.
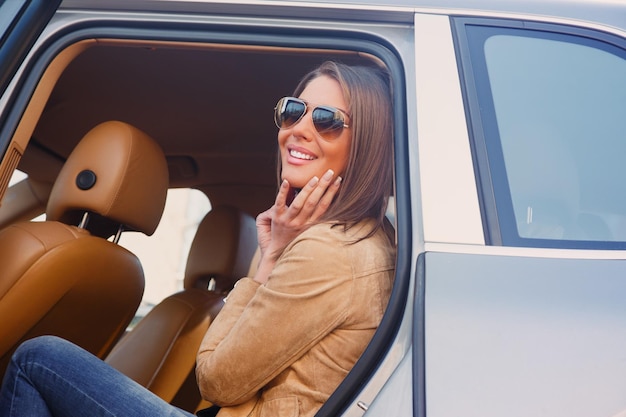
[[20, 200], [163, 255], [552, 112], [17, 177]]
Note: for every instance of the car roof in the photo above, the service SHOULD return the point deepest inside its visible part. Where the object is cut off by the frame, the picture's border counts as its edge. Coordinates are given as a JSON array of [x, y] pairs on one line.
[[606, 12]]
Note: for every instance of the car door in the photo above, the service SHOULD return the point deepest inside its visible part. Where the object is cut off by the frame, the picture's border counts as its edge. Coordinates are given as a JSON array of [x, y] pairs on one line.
[[532, 321]]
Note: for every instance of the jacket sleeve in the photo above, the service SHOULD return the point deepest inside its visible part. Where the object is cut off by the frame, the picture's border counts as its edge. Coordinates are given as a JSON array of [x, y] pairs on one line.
[[261, 330]]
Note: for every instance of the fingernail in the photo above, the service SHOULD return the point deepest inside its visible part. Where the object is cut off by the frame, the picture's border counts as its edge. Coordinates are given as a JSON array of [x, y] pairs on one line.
[[313, 181], [338, 181], [328, 175]]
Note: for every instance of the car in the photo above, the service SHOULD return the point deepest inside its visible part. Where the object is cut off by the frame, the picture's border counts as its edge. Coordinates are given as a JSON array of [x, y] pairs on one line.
[[509, 148]]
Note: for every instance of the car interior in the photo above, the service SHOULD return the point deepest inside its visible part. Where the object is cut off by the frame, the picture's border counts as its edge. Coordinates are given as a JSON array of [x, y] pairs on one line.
[[209, 109]]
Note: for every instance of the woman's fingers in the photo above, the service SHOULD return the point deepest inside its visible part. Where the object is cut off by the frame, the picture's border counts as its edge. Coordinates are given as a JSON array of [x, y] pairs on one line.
[[326, 199], [264, 228], [314, 199], [300, 201], [281, 196]]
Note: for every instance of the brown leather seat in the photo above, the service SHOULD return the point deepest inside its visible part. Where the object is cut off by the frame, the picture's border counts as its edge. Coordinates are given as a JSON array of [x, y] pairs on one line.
[[62, 279], [160, 352]]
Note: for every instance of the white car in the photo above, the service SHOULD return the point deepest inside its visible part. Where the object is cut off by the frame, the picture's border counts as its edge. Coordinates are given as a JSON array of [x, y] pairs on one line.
[[510, 177]]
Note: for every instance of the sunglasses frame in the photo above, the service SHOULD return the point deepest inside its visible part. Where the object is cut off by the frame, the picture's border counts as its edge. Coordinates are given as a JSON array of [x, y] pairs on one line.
[[283, 103]]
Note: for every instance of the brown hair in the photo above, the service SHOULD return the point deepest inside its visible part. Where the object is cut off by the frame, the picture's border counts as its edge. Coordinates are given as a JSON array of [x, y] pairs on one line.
[[367, 180]]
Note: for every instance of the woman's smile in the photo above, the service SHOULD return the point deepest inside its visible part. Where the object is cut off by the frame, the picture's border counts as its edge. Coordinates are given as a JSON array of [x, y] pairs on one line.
[[298, 155]]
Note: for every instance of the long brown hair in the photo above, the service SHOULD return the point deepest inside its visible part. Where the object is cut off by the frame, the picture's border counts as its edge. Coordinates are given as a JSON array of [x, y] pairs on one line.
[[367, 180]]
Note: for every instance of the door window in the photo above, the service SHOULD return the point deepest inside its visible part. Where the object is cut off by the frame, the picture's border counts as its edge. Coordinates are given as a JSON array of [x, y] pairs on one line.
[[551, 107]]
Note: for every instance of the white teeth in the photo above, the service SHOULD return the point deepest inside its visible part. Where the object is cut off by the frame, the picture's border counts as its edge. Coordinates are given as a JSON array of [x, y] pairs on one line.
[[300, 155]]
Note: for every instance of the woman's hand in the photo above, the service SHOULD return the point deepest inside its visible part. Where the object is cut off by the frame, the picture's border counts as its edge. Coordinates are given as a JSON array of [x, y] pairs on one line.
[[280, 224]]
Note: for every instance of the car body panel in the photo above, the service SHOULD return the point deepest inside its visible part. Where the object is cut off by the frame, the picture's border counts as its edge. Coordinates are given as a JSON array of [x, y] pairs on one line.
[[448, 189], [501, 330]]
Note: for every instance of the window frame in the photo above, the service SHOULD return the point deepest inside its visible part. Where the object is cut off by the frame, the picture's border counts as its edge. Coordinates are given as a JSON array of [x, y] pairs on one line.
[[280, 36]]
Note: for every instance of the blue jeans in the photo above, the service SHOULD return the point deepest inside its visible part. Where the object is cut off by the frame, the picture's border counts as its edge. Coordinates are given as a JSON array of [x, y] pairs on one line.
[[49, 376]]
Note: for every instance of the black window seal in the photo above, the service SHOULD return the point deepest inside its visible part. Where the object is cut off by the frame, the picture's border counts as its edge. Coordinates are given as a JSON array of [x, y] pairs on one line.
[[419, 339]]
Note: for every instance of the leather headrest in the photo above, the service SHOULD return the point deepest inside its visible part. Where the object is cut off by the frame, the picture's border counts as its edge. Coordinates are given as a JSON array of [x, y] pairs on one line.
[[118, 174], [222, 249]]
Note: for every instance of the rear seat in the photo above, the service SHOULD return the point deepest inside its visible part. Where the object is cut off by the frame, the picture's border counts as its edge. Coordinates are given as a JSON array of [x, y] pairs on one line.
[[160, 352]]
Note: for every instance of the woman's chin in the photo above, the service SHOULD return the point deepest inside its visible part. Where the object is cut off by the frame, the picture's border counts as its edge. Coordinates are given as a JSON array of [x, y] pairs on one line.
[[296, 182]]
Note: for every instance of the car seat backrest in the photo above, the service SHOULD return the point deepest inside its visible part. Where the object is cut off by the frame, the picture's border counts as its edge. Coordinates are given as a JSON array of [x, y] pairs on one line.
[[160, 352], [221, 251]]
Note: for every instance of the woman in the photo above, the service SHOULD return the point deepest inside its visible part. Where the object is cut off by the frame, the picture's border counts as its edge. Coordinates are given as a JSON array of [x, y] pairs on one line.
[[287, 336]]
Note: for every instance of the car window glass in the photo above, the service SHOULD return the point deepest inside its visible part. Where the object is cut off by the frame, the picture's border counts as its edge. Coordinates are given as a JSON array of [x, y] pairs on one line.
[[555, 139], [17, 177], [163, 255]]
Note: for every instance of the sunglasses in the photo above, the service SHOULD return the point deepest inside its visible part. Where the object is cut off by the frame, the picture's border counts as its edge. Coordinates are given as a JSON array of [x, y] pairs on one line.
[[328, 121]]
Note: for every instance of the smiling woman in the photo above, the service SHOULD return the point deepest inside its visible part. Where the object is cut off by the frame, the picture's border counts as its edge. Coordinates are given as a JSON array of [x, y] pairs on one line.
[[327, 260], [306, 146]]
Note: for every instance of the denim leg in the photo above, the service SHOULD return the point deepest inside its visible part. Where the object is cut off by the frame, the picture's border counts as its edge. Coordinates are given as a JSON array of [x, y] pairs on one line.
[[49, 376]]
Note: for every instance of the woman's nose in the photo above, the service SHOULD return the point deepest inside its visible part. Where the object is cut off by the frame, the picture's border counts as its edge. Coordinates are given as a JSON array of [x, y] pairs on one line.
[[304, 128]]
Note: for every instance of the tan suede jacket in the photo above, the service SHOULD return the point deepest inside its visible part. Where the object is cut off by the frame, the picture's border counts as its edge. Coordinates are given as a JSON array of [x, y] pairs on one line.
[[280, 349]]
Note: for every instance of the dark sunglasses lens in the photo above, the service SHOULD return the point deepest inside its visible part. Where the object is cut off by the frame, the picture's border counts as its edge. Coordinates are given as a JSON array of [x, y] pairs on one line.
[[288, 112], [327, 121]]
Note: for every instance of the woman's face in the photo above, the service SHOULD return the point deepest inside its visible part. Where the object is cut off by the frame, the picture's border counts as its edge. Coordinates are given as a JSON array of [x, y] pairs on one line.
[[304, 154]]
